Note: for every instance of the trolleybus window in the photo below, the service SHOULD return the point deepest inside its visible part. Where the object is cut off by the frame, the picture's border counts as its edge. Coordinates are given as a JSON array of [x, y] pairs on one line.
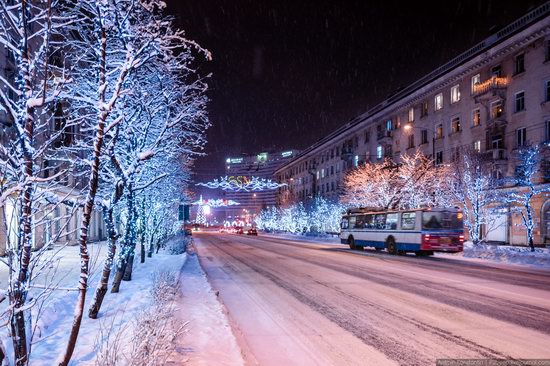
[[408, 220], [379, 221], [345, 223], [391, 221], [359, 222], [441, 220]]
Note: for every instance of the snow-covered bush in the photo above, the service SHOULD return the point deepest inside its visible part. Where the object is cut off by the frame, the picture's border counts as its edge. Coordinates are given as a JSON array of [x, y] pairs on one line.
[[178, 244]]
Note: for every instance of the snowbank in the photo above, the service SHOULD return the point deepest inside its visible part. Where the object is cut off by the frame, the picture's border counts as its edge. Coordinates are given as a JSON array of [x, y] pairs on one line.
[[118, 310], [318, 238], [508, 254], [209, 339]]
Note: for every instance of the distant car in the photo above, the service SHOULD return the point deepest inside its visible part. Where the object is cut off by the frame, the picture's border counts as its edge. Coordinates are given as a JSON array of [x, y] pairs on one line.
[[239, 230], [252, 231]]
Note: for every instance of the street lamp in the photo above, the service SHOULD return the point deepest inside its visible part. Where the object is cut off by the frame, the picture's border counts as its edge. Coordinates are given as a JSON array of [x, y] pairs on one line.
[[409, 127]]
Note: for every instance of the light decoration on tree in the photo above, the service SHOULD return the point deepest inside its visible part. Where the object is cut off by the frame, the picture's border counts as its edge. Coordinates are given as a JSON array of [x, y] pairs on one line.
[[201, 217], [242, 184], [216, 202]]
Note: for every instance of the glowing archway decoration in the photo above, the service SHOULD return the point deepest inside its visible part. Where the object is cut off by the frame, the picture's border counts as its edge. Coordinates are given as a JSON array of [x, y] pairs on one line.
[[242, 183], [216, 202]]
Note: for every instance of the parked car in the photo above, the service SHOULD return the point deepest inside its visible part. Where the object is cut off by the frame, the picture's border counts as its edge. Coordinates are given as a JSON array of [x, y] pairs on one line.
[[239, 230], [252, 231], [188, 231]]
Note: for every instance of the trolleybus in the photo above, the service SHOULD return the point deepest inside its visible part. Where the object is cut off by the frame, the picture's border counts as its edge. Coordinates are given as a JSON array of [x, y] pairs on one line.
[[422, 231]]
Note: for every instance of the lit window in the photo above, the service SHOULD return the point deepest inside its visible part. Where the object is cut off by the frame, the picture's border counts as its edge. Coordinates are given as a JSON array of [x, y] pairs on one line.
[[476, 79], [455, 94], [356, 160], [477, 146], [389, 125], [322, 173], [379, 152], [476, 117], [455, 125], [411, 114], [438, 101], [496, 109], [439, 131], [520, 102], [521, 134], [317, 175]]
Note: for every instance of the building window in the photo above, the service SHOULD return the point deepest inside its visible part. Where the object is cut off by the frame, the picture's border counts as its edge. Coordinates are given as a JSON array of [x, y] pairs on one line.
[[547, 91], [520, 64], [317, 175], [332, 186], [388, 151], [548, 130], [332, 170], [411, 141], [423, 137], [476, 117], [438, 101], [439, 157], [455, 94], [379, 152], [521, 136], [455, 125], [496, 109], [389, 125], [520, 102], [424, 109], [367, 136], [439, 131], [477, 146], [476, 79], [411, 114], [496, 71], [547, 51]]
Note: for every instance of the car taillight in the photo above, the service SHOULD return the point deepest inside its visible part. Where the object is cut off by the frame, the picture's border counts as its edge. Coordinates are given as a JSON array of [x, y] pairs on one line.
[[461, 239]]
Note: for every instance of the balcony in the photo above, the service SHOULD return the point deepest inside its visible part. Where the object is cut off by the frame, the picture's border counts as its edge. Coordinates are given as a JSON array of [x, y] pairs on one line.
[[384, 136], [490, 88], [498, 155]]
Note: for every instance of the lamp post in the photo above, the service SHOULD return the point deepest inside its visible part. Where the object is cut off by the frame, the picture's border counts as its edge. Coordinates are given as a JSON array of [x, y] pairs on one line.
[[409, 127]]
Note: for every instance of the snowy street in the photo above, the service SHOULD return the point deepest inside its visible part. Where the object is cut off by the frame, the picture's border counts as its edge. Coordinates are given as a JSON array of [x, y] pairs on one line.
[[296, 303]]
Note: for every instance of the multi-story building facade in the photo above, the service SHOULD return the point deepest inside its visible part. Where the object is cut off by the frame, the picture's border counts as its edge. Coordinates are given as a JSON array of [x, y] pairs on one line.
[[492, 99], [60, 224], [262, 165]]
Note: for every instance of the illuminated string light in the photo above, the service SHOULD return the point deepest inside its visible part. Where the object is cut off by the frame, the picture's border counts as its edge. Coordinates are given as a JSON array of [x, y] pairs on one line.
[[242, 183]]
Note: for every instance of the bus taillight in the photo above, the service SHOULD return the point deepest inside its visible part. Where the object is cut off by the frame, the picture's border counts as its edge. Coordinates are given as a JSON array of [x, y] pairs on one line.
[[461, 239], [426, 240]]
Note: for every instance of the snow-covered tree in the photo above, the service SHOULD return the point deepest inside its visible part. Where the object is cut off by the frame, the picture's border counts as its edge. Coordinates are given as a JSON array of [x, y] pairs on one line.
[[414, 182], [476, 191], [528, 185], [29, 98]]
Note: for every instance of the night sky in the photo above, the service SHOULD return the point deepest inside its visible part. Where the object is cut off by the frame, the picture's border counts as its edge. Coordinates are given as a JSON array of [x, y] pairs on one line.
[[287, 73]]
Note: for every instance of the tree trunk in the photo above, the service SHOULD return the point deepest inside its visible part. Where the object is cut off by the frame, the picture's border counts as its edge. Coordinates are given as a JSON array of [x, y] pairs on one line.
[[88, 207], [127, 253], [129, 266], [103, 284]]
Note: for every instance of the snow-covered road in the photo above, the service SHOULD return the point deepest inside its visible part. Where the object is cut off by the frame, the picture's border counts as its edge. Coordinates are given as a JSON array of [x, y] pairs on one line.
[[295, 303]]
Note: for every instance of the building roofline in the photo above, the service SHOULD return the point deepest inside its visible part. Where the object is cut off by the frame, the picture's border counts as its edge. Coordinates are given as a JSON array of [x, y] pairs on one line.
[[500, 36]]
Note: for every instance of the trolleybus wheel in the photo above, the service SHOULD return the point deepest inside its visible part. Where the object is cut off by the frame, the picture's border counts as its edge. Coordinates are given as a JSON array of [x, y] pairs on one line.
[[351, 243], [390, 245]]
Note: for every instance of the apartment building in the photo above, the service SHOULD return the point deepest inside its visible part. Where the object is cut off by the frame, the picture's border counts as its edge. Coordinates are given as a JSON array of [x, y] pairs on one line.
[[493, 99]]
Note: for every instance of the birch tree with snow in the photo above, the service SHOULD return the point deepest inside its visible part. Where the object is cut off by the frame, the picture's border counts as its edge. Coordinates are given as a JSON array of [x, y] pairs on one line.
[[29, 99], [528, 184], [475, 190]]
